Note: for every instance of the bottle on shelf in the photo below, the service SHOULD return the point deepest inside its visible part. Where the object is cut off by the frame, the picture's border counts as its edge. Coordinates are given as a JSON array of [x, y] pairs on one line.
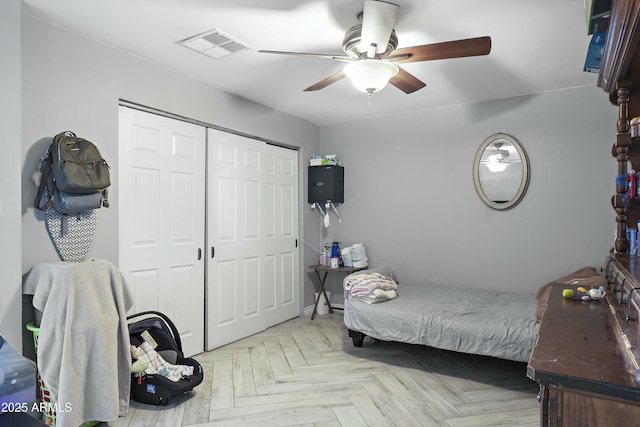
[[335, 255], [324, 258]]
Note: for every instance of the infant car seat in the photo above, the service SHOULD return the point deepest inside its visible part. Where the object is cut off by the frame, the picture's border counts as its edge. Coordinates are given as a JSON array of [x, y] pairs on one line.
[[155, 389]]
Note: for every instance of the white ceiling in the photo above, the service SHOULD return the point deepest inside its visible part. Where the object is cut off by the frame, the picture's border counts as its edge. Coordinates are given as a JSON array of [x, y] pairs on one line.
[[537, 46]]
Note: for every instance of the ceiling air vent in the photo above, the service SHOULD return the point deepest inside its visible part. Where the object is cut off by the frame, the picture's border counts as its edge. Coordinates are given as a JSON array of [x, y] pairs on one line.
[[214, 44]]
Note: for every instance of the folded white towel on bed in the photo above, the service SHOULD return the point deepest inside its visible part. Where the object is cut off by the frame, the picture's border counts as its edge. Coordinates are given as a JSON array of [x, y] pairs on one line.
[[365, 283], [378, 295]]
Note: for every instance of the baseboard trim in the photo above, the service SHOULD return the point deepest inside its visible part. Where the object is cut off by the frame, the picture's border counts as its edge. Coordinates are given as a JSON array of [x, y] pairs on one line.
[[309, 309]]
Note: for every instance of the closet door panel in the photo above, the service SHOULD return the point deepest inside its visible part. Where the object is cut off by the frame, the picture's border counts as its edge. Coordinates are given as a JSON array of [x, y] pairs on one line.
[[223, 303], [270, 277], [281, 232], [162, 218], [145, 287], [146, 188], [252, 287], [288, 262], [236, 266]]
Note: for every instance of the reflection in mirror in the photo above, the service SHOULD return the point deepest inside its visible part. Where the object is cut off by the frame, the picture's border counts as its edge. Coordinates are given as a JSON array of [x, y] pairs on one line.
[[501, 171]]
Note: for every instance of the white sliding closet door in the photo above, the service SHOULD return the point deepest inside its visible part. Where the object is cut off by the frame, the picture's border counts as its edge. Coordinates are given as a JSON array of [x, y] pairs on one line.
[[281, 231], [162, 219], [235, 238]]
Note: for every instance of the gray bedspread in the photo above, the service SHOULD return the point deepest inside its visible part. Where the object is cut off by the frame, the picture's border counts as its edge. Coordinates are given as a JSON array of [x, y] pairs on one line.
[[490, 323]]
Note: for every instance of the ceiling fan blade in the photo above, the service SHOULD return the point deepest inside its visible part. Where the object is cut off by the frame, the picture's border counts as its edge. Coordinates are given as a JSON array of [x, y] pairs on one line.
[[445, 50], [378, 19], [312, 55], [326, 82], [406, 81]]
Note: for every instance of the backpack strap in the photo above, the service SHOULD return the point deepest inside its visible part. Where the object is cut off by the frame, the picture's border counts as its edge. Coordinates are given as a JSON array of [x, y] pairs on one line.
[[44, 180], [105, 197]]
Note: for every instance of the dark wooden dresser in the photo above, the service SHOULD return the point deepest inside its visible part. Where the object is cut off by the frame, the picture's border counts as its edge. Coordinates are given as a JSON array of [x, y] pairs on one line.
[[586, 356]]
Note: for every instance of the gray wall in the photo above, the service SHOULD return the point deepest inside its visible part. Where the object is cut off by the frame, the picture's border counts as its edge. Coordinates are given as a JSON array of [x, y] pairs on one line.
[[410, 198], [10, 289], [73, 83], [409, 193]]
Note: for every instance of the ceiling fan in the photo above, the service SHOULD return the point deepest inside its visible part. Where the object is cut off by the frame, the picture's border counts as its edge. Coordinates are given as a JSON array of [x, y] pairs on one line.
[[496, 158], [371, 53]]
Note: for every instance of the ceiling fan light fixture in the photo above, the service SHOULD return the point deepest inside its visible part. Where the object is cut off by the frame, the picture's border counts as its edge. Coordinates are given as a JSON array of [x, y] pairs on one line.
[[497, 167], [370, 75], [496, 153], [494, 157]]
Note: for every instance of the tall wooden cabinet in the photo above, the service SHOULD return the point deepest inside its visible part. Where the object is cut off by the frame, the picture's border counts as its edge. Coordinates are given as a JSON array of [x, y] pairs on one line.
[[587, 358], [620, 78]]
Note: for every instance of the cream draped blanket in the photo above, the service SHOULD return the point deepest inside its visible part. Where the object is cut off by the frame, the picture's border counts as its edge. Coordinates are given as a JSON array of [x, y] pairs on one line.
[[83, 343]]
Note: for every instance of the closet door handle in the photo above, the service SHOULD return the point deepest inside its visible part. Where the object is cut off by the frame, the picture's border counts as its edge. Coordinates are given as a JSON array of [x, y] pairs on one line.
[[199, 254], [213, 251]]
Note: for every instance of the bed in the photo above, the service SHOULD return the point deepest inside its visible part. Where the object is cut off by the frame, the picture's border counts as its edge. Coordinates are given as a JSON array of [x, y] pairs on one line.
[[489, 323]]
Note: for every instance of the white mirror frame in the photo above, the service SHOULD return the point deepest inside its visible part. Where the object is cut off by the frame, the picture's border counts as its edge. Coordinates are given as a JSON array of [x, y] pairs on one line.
[[524, 180]]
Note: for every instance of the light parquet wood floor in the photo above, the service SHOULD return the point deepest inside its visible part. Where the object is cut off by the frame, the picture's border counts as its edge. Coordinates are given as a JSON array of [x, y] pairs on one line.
[[308, 373]]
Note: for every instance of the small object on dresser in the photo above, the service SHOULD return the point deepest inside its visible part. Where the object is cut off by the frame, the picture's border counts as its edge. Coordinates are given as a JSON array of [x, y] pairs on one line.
[[593, 294], [634, 126], [596, 293]]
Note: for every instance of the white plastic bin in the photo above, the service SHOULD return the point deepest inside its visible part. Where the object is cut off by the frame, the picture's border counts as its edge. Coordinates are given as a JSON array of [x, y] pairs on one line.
[[323, 307]]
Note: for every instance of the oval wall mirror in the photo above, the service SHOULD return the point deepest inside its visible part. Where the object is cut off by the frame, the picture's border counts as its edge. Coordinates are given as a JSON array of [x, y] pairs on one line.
[[501, 171]]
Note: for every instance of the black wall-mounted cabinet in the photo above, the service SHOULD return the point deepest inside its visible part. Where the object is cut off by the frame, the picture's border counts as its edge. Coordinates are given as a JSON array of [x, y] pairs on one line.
[[326, 184]]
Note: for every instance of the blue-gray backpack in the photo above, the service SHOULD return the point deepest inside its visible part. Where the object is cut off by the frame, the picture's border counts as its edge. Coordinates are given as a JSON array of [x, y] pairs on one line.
[[75, 175], [77, 165]]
